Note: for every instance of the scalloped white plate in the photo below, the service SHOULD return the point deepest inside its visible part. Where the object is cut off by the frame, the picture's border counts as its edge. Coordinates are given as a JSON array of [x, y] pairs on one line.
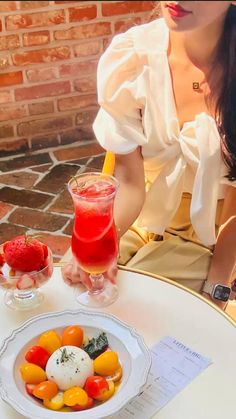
[[133, 354]]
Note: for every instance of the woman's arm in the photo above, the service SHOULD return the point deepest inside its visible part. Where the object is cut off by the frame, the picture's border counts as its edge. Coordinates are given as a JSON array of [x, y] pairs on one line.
[[129, 171], [224, 258]]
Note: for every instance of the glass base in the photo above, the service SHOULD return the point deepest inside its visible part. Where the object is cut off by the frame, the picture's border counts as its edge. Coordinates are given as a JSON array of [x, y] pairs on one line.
[[99, 299], [23, 300]]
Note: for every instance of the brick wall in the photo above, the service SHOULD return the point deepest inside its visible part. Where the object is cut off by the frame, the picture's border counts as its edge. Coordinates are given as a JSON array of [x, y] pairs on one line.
[[48, 57]]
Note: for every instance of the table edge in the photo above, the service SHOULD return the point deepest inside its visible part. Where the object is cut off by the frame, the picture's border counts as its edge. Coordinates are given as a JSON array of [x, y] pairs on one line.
[[169, 281]]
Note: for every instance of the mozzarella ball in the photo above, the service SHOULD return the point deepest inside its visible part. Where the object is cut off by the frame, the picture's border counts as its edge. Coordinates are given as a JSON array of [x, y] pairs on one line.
[[69, 366]]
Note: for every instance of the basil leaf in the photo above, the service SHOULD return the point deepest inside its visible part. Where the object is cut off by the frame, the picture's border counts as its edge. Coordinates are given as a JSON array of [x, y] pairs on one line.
[[96, 346]]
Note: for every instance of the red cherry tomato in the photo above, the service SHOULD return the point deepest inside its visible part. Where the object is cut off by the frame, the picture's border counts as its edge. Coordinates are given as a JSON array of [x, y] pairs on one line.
[[1, 259], [95, 386], [30, 388], [37, 355], [78, 407]]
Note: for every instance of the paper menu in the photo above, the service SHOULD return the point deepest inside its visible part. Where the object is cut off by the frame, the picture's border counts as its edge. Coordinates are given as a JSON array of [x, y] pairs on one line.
[[174, 366]]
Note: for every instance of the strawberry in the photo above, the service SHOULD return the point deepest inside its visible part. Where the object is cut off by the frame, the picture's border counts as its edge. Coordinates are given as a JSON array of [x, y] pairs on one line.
[[25, 282], [45, 250], [2, 260], [24, 254]]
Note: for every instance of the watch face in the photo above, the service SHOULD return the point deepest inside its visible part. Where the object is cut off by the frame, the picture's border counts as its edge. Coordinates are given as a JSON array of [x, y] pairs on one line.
[[221, 293]]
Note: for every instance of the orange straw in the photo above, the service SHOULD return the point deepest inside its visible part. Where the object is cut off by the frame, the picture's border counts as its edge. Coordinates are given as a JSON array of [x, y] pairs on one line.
[[109, 163]]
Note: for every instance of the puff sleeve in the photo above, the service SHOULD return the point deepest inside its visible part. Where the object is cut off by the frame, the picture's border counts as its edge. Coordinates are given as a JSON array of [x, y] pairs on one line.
[[118, 125]]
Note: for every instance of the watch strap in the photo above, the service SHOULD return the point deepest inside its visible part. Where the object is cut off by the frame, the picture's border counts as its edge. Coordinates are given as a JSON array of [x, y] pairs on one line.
[[208, 288]]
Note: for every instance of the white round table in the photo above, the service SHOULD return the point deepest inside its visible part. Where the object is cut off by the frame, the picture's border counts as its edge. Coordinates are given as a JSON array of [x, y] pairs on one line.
[[157, 308]]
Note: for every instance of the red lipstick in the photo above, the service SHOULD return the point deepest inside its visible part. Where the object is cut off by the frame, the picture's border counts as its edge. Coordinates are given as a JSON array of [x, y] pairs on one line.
[[176, 11]]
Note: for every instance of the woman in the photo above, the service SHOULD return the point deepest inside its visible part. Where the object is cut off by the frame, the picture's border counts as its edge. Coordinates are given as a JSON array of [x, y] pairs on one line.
[[167, 91]]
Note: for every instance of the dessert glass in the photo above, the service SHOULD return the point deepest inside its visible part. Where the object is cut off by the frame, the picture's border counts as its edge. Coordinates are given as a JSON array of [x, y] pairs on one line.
[[22, 287]]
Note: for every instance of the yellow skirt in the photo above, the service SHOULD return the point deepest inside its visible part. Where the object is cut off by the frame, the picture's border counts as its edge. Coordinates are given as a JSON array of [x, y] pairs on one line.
[[177, 255]]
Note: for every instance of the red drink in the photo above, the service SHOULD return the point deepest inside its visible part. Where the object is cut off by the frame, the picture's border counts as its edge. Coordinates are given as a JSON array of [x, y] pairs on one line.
[[94, 239]]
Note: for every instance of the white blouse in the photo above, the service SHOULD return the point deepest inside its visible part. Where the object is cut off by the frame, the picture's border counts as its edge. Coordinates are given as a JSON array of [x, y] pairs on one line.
[[138, 109]]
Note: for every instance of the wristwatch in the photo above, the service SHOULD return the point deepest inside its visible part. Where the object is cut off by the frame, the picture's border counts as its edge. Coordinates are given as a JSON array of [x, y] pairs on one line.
[[233, 290], [220, 292]]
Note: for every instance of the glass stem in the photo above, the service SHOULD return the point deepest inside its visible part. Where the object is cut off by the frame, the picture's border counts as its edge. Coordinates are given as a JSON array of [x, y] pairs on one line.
[[97, 282]]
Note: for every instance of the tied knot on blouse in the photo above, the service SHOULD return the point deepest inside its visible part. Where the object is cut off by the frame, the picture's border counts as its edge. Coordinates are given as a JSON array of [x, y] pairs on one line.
[[138, 109]]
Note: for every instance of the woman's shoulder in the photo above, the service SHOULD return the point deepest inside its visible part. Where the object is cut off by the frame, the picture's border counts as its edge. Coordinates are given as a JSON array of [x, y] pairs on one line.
[[148, 37], [123, 61], [143, 39]]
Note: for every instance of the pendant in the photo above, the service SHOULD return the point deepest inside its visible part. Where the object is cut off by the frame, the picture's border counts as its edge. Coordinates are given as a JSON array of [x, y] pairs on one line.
[[196, 85]]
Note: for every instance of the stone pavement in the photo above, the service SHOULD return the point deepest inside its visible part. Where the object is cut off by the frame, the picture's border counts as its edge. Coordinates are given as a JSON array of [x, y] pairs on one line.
[[34, 196]]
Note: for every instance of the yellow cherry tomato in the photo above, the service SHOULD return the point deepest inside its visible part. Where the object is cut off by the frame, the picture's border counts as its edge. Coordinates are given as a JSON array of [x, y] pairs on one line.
[[117, 385], [66, 409], [32, 374], [50, 341], [107, 394], [106, 364], [45, 390], [116, 376], [56, 403], [75, 395]]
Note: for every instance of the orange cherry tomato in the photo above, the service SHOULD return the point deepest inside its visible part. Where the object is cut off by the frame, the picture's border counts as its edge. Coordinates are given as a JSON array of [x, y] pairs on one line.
[[32, 374], [45, 390], [50, 341], [73, 335]]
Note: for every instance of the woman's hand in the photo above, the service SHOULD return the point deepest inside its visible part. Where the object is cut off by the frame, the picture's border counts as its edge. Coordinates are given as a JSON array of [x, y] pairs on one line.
[[73, 274]]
